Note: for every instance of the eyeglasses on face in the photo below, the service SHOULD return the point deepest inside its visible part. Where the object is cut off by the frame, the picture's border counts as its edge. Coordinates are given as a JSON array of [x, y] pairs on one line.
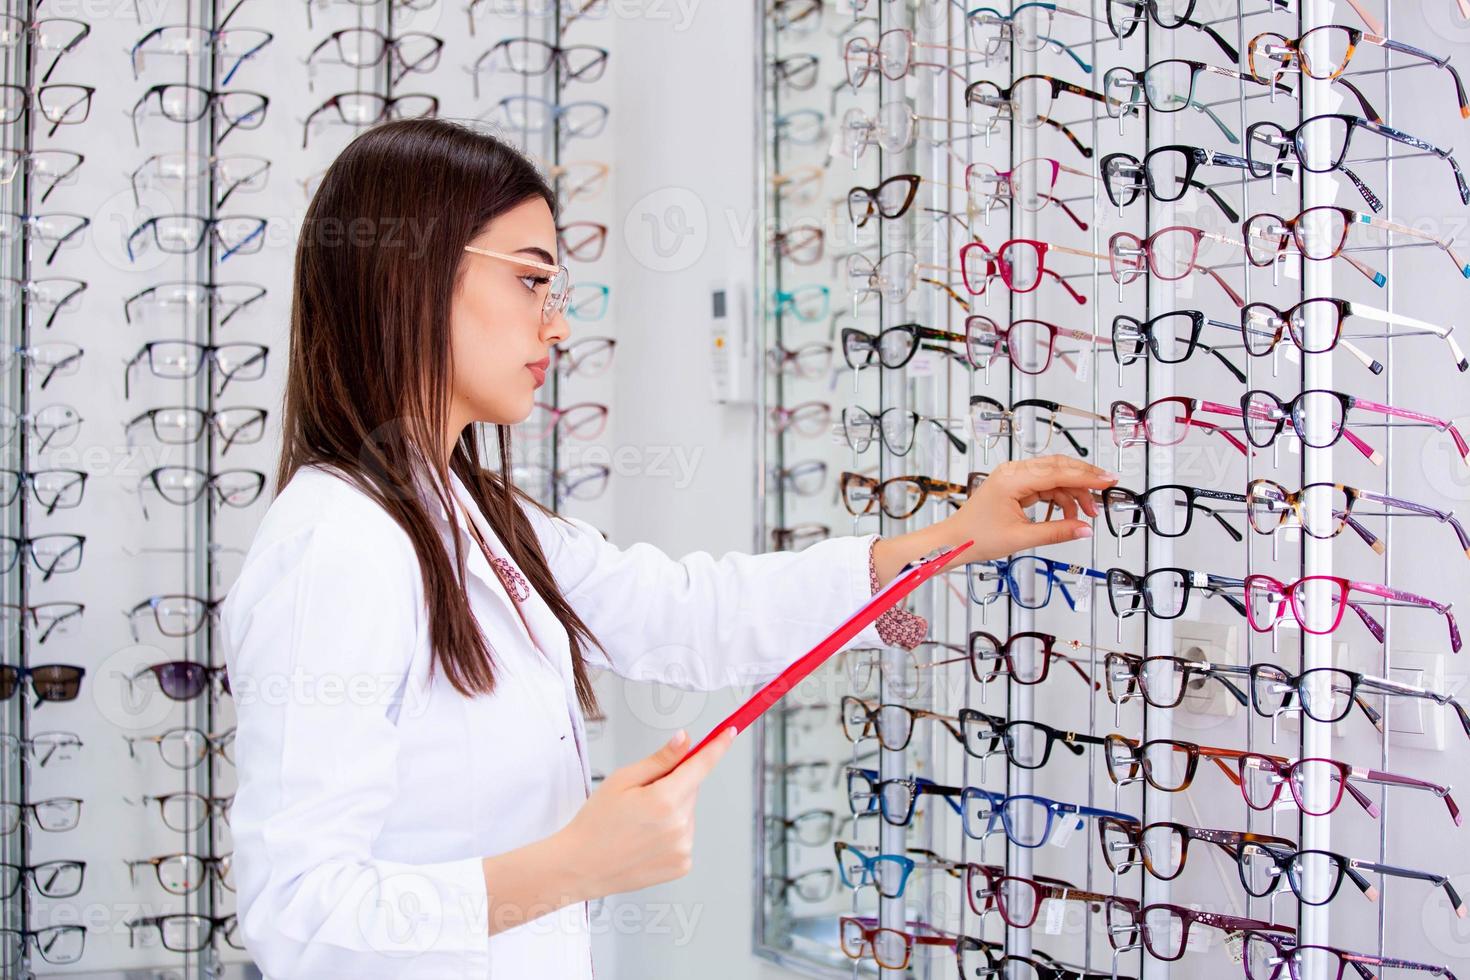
[[556, 279]]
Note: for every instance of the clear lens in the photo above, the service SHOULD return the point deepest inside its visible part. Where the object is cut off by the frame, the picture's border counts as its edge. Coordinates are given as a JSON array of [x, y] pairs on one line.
[[1167, 765], [1164, 845], [1165, 591], [1168, 85]]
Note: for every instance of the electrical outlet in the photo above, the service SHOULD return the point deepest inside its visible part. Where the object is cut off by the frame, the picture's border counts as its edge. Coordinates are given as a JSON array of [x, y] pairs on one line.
[[1217, 643], [1415, 723]]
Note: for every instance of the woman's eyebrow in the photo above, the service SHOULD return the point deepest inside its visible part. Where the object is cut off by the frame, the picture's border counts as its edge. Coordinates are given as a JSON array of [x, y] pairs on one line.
[[538, 253]]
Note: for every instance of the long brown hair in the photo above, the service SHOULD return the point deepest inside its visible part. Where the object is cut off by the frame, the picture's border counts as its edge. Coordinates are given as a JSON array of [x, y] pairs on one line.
[[367, 388]]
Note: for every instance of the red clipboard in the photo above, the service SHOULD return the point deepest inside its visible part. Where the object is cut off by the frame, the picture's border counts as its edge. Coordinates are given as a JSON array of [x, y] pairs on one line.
[[913, 575]]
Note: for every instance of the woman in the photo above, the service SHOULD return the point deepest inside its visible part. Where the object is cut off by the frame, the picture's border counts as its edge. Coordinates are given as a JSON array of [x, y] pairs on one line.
[[411, 639]]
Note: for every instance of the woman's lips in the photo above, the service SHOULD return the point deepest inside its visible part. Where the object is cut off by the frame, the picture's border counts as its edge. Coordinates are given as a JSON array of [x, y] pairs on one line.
[[538, 370]]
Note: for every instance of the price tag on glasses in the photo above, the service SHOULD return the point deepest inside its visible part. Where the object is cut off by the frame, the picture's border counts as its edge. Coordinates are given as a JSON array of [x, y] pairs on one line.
[[1063, 826], [1053, 915]]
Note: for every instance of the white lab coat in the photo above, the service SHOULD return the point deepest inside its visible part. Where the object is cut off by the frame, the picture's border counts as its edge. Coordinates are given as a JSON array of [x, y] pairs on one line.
[[368, 794]]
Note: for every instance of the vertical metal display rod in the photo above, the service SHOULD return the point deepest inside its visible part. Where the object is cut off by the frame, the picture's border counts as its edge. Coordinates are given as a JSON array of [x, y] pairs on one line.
[[17, 721], [894, 392], [1316, 737], [1159, 469], [1021, 697], [199, 529]]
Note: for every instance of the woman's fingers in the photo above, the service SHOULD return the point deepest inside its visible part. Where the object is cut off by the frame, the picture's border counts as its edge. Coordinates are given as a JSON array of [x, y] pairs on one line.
[[1035, 476]]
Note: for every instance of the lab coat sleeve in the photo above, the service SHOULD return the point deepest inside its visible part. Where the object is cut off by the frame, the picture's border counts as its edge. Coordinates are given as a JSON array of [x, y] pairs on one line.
[[699, 622], [321, 629]]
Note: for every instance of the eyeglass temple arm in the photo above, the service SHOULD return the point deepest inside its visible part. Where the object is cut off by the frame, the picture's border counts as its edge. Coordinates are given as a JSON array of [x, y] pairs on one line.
[[1444, 517], [1398, 319], [1443, 425], [1399, 595], [1408, 782], [1066, 131]]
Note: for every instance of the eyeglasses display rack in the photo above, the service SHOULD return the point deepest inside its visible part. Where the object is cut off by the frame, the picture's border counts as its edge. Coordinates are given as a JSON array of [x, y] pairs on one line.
[[1220, 737]]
